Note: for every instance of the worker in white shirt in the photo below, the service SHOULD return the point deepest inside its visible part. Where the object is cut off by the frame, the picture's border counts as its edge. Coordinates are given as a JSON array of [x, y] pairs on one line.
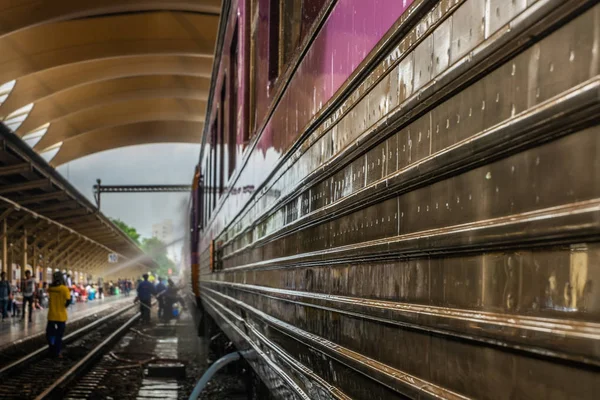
[[28, 293]]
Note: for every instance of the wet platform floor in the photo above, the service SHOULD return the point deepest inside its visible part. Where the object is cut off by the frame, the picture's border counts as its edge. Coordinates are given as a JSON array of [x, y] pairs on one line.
[[15, 329]]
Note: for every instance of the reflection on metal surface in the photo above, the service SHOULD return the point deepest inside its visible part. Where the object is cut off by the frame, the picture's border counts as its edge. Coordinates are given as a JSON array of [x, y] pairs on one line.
[[437, 235]]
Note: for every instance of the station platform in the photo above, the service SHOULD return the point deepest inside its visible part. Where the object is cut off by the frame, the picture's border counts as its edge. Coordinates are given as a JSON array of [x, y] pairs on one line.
[[15, 329]]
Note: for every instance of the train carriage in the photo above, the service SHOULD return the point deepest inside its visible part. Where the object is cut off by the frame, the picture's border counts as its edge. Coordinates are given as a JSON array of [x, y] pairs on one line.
[[401, 198]]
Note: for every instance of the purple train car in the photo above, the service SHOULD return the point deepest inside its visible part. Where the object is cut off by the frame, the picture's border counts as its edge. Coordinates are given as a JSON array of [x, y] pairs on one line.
[[401, 198]]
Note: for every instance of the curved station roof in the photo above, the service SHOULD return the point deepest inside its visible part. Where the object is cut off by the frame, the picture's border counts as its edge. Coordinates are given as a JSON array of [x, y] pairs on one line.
[[80, 77]]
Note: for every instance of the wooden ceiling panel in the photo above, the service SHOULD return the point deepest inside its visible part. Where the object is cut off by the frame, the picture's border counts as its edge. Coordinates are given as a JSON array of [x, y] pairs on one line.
[[122, 113], [108, 73], [83, 97], [62, 43], [128, 135], [18, 15], [38, 86]]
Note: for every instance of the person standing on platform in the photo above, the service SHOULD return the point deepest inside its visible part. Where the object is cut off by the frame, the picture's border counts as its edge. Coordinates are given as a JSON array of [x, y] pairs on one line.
[[28, 293], [69, 282], [171, 297], [160, 295], [4, 295], [145, 291], [100, 288], [59, 298]]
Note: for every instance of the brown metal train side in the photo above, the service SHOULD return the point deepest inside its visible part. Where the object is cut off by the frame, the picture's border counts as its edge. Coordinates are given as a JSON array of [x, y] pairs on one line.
[[436, 233]]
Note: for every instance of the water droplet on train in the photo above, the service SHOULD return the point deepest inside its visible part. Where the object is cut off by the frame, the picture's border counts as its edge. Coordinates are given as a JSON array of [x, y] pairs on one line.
[[488, 176]]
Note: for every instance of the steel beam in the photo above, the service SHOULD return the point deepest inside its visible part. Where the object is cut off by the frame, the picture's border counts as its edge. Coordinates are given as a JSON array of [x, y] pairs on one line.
[[48, 232], [142, 188], [9, 263], [91, 255], [19, 187], [67, 213], [24, 258], [69, 247], [82, 219], [50, 243], [4, 245], [81, 255], [40, 198], [89, 229], [56, 207], [16, 226], [6, 213], [99, 189], [15, 169], [106, 236], [62, 244]]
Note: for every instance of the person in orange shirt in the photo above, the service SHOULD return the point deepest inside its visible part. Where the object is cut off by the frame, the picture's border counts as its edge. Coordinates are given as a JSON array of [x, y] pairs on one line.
[[59, 298]]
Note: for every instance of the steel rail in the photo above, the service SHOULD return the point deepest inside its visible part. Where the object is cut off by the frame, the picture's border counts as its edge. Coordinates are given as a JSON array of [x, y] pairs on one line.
[[79, 368], [35, 355]]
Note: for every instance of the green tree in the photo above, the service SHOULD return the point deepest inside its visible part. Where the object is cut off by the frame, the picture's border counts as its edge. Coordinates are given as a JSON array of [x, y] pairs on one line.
[[158, 251], [129, 230]]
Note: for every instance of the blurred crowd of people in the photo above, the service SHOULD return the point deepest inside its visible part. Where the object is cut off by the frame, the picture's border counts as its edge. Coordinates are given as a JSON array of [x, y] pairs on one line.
[[166, 293], [23, 298]]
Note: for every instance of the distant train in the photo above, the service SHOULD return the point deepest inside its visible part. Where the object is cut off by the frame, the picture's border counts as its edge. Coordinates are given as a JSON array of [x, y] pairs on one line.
[[401, 198]]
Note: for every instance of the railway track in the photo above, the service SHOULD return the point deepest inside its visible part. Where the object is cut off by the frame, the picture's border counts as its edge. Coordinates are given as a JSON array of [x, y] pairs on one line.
[[39, 376]]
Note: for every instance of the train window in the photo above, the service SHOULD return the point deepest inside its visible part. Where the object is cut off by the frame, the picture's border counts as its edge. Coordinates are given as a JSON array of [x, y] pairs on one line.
[[290, 14], [221, 136], [233, 102], [274, 33], [253, 67], [213, 200], [296, 19], [310, 12], [207, 191], [277, 28]]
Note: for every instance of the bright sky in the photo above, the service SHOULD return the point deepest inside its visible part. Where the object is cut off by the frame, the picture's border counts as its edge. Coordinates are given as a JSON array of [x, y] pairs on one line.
[[144, 164]]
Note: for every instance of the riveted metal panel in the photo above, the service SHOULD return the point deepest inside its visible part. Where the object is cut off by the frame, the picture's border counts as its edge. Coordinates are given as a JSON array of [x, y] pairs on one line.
[[376, 163], [500, 12], [441, 46], [423, 58], [468, 28], [446, 246]]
